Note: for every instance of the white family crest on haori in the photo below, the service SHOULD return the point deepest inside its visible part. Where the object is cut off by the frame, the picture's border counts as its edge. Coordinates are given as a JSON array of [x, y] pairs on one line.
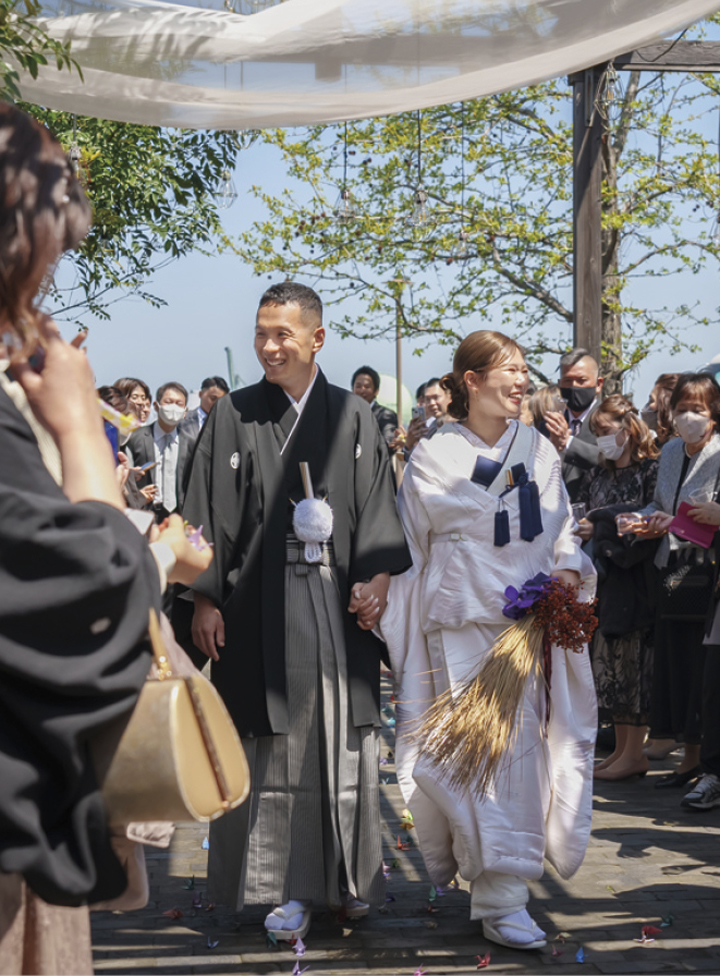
[[312, 519], [235, 461]]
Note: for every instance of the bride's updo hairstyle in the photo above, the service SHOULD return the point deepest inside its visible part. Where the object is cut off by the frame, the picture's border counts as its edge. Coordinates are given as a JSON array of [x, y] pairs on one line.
[[477, 353]]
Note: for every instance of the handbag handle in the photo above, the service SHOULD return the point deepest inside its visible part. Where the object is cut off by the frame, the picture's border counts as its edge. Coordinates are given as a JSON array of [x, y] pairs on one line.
[[158, 647]]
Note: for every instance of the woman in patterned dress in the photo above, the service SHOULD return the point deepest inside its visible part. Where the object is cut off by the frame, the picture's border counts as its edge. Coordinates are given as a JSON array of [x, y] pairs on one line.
[[622, 652]]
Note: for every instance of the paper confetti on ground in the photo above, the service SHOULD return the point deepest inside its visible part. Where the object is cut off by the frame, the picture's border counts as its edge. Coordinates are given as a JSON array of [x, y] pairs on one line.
[[173, 913], [190, 883], [407, 822], [211, 907], [420, 972], [213, 944], [667, 921], [299, 947], [401, 846], [297, 971], [206, 844], [433, 893], [556, 952], [271, 940], [197, 900], [562, 937], [580, 955], [648, 934], [483, 961]]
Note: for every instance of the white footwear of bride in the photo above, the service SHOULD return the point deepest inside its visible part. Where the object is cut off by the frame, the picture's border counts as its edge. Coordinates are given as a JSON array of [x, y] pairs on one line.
[[500, 930]]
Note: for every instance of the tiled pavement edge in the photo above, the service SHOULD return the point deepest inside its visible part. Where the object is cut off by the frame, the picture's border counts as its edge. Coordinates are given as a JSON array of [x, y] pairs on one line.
[[648, 858]]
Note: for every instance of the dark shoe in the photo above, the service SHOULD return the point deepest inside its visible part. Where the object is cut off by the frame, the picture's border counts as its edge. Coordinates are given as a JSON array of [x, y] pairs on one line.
[[677, 780]]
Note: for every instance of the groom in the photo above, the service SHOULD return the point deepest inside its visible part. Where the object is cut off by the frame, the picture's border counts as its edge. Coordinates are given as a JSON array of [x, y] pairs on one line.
[[300, 674]]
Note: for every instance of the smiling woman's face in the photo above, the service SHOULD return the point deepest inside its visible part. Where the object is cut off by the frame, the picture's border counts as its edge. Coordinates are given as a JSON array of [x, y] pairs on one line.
[[499, 392]]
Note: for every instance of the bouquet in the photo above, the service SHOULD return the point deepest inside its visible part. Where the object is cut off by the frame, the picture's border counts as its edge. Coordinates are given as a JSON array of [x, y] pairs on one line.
[[469, 733]]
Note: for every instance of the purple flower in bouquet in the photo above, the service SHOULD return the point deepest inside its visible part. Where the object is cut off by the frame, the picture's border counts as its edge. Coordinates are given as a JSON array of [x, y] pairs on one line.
[[520, 602]]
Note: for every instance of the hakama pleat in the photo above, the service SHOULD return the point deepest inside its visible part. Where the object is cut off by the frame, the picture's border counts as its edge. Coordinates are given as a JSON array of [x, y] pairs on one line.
[[311, 824]]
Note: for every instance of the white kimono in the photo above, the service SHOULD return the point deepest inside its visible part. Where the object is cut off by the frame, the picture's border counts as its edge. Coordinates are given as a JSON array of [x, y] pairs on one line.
[[442, 619]]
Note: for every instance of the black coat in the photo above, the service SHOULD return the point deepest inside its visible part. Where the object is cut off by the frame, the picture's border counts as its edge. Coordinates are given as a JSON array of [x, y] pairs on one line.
[[627, 578], [240, 491], [142, 447], [76, 585], [387, 421]]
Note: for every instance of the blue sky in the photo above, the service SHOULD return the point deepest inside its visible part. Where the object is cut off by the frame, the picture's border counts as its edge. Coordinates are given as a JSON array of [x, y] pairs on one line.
[[211, 303]]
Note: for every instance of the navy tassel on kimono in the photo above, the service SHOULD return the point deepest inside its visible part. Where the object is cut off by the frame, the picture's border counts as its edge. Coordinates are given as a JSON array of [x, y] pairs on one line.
[[530, 515], [502, 528]]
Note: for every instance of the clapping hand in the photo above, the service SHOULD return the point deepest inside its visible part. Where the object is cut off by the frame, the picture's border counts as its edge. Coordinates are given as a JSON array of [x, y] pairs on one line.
[[558, 429]]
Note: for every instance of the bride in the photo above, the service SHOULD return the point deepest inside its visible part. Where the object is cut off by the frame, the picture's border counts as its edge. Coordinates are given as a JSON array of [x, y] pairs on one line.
[[442, 619]]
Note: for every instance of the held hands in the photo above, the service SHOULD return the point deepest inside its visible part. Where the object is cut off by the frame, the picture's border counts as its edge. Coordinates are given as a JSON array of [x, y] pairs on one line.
[[190, 561], [558, 429], [368, 600], [708, 513]]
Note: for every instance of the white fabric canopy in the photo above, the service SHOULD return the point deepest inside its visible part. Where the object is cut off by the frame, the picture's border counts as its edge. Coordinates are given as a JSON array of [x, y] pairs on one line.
[[319, 61]]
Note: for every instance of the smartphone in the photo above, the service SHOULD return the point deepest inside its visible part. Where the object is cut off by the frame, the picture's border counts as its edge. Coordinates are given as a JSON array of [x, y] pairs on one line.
[[418, 413], [558, 404], [148, 466]]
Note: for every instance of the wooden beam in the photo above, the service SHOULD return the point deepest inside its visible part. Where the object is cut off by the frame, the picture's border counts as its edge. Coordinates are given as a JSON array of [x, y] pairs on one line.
[[666, 56], [587, 211]]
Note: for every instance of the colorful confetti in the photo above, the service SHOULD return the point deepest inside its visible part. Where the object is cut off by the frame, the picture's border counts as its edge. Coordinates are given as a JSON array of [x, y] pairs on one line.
[[433, 893], [420, 972], [190, 883], [556, 951], [206, 844], [297, 971], [197, 900], [667, 921], [483, 961], [213, 944], [407, 822], [211, 907], [580, 955], [173, 913], [401, 846], [299, 948], [395, 863], [651, 930], [562, 937], [271, 939]]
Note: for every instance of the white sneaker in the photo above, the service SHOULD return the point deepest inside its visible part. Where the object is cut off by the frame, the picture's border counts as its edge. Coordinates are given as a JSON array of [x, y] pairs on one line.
[[704, 795]]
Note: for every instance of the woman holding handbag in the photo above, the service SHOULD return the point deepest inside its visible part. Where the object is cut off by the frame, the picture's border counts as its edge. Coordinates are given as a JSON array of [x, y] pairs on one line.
[[77, 581], [689, 472]]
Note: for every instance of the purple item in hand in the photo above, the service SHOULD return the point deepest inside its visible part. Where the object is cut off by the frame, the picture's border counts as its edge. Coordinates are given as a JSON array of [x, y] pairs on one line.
[[520, 602]]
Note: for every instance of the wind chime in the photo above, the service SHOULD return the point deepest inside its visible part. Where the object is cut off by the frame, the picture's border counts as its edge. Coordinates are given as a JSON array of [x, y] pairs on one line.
[[345, 209]]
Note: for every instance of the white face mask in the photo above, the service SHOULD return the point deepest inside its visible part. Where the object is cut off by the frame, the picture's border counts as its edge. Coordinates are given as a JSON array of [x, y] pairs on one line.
[[609, 447], [170, 413], [691, 426]]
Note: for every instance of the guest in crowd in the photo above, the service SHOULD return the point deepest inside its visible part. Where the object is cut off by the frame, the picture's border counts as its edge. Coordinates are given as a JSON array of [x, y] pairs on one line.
[[211, 390], [442, 619], [77, 582], [705, 795], [580, 388], [167, 448], [278, 618], [138, 396], [689, 471], [437, 403], [366, 384], [623, 649], [656, 413]]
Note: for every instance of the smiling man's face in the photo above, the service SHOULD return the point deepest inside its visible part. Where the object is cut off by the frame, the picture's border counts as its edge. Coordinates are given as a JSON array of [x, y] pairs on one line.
[[286, 345]]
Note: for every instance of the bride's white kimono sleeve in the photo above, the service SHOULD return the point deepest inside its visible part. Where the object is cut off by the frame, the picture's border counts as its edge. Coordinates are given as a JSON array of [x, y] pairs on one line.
[[453, 597]]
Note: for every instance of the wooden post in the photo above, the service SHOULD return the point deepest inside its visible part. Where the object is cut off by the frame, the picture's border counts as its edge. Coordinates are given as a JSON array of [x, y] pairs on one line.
[[398, 358], [587, 211]]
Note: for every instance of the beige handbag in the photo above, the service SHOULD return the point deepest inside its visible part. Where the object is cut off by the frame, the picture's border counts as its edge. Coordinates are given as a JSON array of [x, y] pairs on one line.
[[180, 757]]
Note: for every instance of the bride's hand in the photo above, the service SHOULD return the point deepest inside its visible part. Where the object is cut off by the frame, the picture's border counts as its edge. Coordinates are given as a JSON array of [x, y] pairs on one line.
[[570, 577]]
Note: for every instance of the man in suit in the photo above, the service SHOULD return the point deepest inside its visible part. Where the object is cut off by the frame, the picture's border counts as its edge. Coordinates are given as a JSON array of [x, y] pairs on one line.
[[211, 390], [169, 447], [366, 384], [580, 388]]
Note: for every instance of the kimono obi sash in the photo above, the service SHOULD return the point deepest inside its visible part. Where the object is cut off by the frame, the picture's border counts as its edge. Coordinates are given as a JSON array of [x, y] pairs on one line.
[[499, 478]]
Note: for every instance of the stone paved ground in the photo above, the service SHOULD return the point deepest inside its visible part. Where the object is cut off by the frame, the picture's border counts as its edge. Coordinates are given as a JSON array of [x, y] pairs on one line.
[[648, 858]]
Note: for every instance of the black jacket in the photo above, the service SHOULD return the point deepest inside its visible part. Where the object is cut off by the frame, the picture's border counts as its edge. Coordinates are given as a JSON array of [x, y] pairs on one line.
[[142, 447], [581, 455], [627, 577]]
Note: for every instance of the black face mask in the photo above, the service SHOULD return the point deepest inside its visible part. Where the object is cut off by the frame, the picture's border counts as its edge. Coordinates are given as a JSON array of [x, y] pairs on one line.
[[578, 398]]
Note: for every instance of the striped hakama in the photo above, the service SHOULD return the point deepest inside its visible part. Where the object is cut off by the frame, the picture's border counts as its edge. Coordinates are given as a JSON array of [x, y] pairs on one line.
[[311, 825]]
